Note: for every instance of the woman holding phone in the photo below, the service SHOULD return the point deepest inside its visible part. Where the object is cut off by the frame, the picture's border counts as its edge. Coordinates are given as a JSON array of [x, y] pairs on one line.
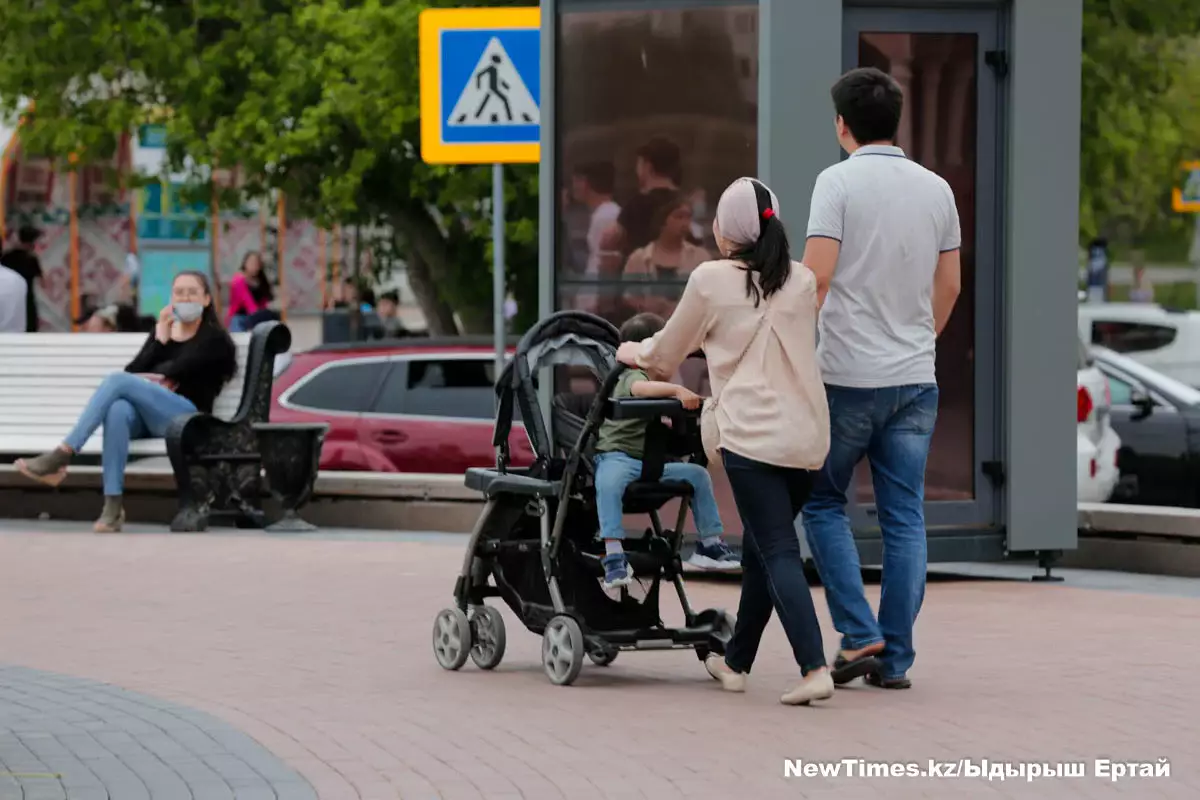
[[181, 369]]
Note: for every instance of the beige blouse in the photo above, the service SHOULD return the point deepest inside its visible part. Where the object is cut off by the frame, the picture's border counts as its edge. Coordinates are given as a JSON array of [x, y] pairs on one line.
[[773, 409]]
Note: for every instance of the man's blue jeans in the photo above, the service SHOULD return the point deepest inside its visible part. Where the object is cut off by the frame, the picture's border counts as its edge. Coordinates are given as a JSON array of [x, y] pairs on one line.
[[614, 473], [129, 408], [892, 428]]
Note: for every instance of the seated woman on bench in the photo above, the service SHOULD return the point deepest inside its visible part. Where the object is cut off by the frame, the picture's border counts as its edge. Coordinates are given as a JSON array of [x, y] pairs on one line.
[[180, 370]]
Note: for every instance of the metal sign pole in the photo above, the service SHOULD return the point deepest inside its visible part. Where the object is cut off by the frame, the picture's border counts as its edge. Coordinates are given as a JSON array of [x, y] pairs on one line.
[[498, 321]]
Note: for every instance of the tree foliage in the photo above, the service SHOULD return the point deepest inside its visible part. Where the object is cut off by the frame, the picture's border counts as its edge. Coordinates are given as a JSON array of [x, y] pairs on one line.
[[1141, 113], [317, 98]]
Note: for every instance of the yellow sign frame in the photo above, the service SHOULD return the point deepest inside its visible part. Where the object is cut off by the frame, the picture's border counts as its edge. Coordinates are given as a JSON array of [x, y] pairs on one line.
[[432, 22], [1177, 202]]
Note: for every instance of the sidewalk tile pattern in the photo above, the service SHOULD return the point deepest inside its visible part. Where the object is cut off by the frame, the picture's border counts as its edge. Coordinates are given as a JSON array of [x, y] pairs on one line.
[[320, 652]]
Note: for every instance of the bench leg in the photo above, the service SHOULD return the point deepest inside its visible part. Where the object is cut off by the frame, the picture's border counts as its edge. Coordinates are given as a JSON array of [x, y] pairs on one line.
[[191, 518]]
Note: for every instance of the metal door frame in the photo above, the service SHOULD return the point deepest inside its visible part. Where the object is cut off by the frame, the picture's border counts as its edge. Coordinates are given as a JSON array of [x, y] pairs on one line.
[[988, 24]]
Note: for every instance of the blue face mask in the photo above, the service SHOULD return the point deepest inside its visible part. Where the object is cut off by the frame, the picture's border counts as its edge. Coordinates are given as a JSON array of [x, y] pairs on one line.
[[188, 312]]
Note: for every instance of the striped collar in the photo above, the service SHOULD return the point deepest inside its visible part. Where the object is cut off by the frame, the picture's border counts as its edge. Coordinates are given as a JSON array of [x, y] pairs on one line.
[[879, 150]]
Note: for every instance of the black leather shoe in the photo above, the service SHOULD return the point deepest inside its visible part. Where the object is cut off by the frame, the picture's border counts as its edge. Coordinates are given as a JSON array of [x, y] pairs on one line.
[[877, 680], [845, 670]]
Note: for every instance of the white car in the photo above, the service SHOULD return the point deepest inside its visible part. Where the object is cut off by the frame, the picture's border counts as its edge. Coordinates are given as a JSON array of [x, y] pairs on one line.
[[1096, 441], [1164, 340]]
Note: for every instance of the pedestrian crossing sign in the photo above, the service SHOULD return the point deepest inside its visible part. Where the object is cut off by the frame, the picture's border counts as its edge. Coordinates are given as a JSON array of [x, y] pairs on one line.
[[480, 85], [1185, 198]]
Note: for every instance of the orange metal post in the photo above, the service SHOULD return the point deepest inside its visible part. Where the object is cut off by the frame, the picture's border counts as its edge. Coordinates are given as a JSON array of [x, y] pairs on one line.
[[5, 160], [337, 255], [73, 190], [134, 195], [281, 212], [215, 257], [324, 268]]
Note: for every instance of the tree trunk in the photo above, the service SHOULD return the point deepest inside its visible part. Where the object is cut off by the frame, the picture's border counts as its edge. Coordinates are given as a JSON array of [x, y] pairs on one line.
[[439, 317], [428, 246]]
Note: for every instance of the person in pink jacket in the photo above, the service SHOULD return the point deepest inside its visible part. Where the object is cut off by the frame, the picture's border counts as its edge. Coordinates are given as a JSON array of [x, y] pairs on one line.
[[250, 295]]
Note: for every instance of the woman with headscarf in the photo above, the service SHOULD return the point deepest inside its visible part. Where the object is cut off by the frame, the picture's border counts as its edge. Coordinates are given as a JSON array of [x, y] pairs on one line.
[[754, 314]]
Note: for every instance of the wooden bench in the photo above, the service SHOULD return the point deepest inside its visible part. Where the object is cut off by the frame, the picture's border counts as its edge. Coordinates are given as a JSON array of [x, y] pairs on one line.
[[46, 379]]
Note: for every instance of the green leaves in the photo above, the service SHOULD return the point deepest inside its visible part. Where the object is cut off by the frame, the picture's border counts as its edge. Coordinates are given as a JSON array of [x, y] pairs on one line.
[[1140, 114], [317, 98]]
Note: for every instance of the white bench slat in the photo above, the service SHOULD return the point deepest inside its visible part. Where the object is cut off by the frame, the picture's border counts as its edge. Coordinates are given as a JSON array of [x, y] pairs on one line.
[[47, 378], [37, 444]]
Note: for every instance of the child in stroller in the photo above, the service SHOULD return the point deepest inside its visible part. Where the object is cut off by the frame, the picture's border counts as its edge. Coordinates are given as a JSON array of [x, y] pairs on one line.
[[535, 543], [620, 446]]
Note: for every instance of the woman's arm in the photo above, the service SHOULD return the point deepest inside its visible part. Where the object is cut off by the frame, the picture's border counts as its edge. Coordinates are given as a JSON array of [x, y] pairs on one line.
[[684, 334], [209, 355], [147, 358]]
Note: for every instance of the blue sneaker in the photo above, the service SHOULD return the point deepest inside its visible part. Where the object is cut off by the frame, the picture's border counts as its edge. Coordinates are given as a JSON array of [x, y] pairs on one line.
[[714, 555], [616, 571]]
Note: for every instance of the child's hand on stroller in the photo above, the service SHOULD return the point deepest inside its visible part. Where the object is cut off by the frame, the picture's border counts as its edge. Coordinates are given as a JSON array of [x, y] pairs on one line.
[[690, 400]]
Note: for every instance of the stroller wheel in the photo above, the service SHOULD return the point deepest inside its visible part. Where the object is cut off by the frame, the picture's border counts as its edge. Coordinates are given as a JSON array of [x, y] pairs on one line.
[[451, 638], [602, 658], [487, 637], [562, 650]]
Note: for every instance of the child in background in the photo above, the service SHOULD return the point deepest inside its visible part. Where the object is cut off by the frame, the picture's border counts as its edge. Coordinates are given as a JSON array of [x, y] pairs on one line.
[[619, 450]]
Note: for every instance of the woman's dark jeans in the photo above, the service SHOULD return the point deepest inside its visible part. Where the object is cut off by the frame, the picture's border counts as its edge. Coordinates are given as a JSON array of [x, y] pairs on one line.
[[768, 499]]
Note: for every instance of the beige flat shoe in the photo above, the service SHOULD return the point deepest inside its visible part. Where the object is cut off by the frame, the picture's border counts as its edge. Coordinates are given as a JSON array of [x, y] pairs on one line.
[[816, 687], [730, 681]]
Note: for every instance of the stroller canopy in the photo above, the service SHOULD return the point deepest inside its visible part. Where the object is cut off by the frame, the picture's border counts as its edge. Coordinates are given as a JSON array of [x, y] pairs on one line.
[[568, 338]]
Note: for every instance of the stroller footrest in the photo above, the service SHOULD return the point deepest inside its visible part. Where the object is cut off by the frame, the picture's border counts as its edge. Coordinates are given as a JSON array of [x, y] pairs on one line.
[[644, 564]]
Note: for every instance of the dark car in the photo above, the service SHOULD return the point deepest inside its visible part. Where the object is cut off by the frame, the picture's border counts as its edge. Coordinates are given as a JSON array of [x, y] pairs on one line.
[[1158, 420], [412, 405]]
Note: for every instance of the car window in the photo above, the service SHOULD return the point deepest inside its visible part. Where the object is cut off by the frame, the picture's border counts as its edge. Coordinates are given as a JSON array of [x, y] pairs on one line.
[[1120, 390], [339, 387], [1131, 337], [459, 388]]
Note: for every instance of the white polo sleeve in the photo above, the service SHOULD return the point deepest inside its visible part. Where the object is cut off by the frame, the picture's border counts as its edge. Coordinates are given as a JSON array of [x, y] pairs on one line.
[[827, 212], [951, 238]]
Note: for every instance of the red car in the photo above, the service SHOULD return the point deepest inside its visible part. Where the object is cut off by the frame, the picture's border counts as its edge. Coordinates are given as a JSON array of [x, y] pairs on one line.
[[416, 405]]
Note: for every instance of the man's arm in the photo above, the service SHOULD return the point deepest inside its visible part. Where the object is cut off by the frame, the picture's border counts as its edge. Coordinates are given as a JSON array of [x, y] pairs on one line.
[[827, 211], [947, 277], [821, 255], [947, 283]]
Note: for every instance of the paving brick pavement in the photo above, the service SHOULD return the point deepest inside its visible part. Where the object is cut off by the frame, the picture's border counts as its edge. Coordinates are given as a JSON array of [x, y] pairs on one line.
[[319, 651], [65, 738]]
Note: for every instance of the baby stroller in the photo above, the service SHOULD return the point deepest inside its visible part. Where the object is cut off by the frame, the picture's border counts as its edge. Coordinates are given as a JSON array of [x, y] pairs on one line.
[[535, 543]]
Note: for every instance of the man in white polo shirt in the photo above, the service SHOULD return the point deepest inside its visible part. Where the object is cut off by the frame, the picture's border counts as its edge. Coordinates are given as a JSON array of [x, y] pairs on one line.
[[883, 241]]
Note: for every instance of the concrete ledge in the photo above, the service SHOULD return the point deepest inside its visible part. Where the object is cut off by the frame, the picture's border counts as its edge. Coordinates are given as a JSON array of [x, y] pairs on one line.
[[378, 500], [1150, 556], [1154, 540], [1112, 518], [155, 475]]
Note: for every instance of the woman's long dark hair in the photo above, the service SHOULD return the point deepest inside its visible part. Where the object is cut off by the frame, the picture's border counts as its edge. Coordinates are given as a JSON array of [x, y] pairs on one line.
[[209, 321], [770, 255], [260, 288]]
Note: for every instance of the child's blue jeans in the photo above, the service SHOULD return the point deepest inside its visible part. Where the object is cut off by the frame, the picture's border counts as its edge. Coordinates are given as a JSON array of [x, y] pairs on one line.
[[615, 471]]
